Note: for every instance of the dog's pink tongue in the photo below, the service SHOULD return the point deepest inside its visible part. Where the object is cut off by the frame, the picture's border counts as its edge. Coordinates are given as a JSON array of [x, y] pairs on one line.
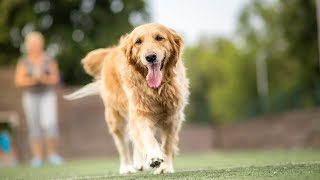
[[154, 76]]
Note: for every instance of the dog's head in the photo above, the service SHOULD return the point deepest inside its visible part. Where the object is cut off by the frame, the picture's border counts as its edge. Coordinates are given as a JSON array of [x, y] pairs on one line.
[[153, 50]]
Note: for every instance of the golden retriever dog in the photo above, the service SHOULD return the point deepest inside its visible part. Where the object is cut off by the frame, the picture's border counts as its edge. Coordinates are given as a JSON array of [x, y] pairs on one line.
[[142, 82]]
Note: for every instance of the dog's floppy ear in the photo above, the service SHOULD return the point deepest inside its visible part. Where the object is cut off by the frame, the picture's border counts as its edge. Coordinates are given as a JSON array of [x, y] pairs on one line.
[[175, 53], [176, 42], [126, 46]]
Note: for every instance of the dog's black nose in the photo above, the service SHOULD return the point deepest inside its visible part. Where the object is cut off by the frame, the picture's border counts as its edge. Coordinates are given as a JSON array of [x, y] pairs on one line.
[[151, 57]]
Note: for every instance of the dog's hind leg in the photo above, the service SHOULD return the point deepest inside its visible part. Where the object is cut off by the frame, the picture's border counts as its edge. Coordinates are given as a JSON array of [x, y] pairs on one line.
[[117, 127]]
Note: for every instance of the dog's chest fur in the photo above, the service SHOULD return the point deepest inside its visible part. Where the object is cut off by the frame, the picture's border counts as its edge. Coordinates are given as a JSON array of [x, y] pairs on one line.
[[166, 100]]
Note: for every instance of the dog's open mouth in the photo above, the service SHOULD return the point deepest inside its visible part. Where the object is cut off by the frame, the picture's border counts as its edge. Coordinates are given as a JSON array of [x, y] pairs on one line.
[[154, 76]]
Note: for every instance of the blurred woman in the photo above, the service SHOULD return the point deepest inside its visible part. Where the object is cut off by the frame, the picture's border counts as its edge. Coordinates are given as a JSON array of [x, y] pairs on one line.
[[36, 74]]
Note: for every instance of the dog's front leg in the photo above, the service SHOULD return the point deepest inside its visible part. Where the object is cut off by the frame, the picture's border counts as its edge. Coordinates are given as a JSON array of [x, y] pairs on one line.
[[141, 130], [169, 140]]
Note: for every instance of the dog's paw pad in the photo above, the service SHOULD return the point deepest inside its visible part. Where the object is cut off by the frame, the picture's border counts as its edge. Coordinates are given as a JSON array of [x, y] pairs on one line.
[[155, 162]]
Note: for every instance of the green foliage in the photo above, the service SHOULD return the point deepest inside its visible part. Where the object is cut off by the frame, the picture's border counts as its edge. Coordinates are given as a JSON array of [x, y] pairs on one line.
[[223, 72], [6, 127], [217, 72], [286, 31], [71, 27]]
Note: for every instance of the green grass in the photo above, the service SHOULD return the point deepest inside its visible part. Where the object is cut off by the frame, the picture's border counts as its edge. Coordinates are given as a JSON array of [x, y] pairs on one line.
[[279, 164]]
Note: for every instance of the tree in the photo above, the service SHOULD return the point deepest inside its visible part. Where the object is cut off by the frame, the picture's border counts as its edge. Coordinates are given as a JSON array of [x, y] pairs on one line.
[[223, 72], [219, 81], [286, 31], [71, 28]]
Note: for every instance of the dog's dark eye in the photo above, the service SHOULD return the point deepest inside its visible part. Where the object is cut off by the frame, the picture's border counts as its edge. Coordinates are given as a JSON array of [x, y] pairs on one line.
[[138, 41], [159, 38]]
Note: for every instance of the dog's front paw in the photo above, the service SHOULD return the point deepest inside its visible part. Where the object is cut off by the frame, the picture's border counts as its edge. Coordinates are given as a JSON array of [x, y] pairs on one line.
[[126, 169], [155, 158], [164, 168], [155, 162]]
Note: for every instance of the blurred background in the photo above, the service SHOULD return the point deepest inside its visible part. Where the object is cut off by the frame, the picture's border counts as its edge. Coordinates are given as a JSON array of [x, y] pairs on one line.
[[253, 65]]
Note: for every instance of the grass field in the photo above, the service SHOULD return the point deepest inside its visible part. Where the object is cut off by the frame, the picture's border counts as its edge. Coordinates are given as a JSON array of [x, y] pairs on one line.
[[279, 164]]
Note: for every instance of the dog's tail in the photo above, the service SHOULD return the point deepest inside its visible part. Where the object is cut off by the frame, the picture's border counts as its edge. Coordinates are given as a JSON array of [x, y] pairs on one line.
[[87, 90], [92, 64], [93, 61]]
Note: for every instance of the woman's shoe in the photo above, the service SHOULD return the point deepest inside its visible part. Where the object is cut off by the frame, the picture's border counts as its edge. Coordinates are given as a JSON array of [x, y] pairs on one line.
[[55, 159], [36, 162]]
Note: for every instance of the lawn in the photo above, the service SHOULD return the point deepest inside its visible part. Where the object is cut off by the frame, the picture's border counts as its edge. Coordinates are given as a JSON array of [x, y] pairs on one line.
[[278, 164]]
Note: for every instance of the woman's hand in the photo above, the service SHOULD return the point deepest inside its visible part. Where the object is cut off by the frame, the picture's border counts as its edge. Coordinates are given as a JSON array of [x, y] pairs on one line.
[[21, 79], [52, 78]]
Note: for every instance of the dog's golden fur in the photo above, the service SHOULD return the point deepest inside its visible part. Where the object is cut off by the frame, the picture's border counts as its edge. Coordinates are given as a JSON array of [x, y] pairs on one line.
[[134, 108]]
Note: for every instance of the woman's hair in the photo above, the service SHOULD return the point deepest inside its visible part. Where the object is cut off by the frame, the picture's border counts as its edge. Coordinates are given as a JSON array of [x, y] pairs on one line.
[[34, 34], [28, 37]]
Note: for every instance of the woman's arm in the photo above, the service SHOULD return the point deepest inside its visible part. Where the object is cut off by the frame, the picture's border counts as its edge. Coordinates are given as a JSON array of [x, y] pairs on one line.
[[53, 77], [21, 79]]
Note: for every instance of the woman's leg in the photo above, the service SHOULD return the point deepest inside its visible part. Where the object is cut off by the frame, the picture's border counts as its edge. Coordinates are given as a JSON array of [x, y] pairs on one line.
[[30, 104], [36, 148], [51, 145], [48, 119]]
